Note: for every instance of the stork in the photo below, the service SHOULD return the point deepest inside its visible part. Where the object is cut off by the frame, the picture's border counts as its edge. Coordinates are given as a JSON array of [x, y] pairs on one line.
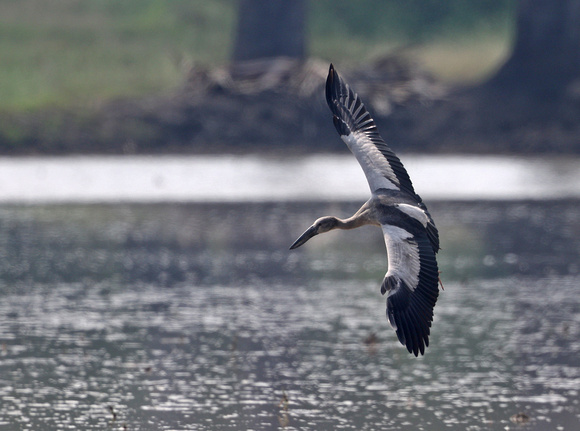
[[411, 238]]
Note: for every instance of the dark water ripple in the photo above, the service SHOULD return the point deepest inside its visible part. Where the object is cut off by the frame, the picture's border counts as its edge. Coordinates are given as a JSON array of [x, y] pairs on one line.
[[139, 317]]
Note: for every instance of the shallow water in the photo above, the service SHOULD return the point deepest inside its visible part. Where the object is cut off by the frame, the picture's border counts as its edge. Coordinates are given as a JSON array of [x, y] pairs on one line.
[[197, 317]]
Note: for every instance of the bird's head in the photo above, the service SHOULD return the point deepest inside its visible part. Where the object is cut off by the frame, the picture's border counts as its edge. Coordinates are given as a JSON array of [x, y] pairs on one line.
[[321, 225]]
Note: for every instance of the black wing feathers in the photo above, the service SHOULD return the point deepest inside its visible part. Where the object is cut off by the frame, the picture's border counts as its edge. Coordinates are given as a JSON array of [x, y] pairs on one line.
[[410, 312], [432, 232], [351, 116]]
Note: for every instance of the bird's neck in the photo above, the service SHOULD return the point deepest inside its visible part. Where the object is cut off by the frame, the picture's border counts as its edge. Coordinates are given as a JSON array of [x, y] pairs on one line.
[[361, 218]]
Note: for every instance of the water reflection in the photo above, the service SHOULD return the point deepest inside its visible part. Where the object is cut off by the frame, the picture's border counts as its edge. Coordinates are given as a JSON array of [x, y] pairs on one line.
[[144, 179], [197, 317]]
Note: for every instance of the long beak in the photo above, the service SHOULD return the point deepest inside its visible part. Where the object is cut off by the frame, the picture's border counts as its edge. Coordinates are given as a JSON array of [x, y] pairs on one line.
[[310, 232]]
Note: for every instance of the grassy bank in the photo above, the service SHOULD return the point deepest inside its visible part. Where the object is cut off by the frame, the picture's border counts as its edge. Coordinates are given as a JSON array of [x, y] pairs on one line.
[[83, 52]]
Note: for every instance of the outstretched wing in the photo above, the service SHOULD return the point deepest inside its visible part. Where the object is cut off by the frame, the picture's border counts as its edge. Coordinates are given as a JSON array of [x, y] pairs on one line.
[[358, 130], [412, 285]]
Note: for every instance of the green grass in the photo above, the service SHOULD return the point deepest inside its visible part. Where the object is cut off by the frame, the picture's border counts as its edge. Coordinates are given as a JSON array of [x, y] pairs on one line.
[[458, 41], [83, 52], [465, 61], [86, 51]]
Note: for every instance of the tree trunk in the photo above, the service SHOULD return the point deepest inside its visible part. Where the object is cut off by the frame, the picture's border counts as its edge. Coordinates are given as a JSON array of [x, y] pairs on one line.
[[271, 28], [546, 54]]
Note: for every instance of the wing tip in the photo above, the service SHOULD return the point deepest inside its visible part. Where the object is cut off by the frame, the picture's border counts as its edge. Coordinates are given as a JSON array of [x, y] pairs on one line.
[[411, 322], [331, 86], [345, 104]]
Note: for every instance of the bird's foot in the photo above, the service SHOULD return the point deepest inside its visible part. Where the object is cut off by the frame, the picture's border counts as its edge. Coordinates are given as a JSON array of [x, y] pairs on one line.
[[440, 282]]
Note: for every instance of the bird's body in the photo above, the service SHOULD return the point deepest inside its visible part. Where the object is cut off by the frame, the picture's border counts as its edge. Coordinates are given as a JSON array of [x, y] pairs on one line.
[[410, 234]]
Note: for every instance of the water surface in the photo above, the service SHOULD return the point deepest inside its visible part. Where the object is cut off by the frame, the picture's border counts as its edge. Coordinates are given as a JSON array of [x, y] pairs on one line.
[[197, 317], [252, 178]]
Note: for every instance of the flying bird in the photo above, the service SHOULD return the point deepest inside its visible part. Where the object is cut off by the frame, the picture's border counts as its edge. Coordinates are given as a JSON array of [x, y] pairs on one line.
[[411, 238]]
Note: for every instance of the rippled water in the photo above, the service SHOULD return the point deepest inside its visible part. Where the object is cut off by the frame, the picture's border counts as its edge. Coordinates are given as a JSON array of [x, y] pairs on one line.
[[197, 317]]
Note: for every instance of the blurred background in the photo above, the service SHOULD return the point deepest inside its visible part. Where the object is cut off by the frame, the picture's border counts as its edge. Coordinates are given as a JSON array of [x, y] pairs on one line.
[[156, 76], [158, 158]]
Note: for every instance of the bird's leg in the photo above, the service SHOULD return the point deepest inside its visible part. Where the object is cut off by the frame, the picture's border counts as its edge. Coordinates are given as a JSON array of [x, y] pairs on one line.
[[440, 282]]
